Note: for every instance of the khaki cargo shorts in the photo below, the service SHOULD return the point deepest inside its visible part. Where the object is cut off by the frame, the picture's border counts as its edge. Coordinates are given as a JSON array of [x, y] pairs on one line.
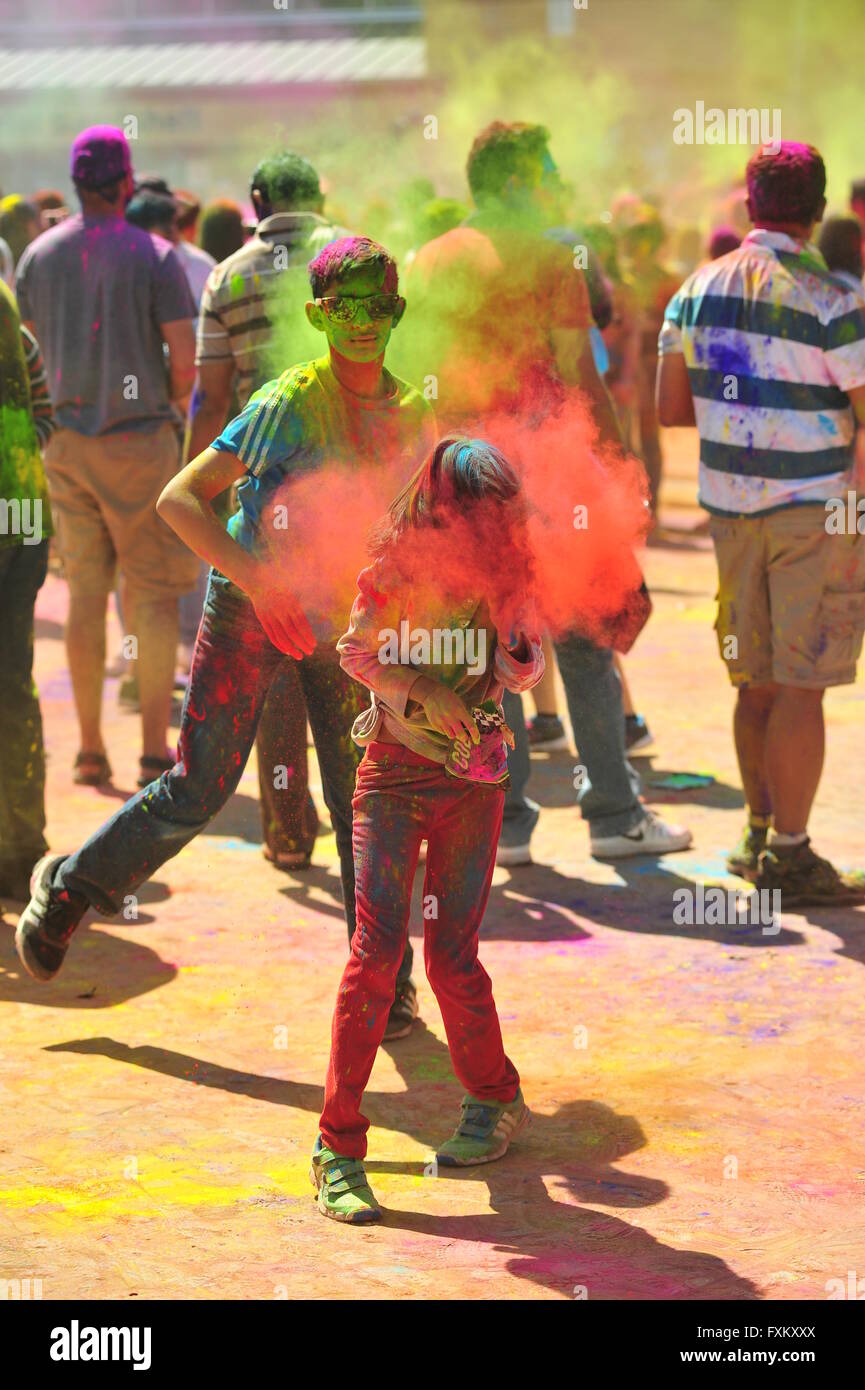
[[103, 492], [791, 598]]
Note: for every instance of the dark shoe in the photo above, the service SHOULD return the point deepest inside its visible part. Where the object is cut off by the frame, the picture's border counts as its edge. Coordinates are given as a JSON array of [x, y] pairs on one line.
[[806, 880], [150, 768], [403, 1011], [288, 860], [638, 735], [47, 922], [91, 770], [547, 731], [744, 858]]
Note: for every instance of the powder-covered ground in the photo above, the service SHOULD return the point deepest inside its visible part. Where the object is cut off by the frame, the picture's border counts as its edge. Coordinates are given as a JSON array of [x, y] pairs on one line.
[[160, 1097]]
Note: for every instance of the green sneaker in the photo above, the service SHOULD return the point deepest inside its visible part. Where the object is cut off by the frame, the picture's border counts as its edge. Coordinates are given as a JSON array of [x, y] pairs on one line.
[[484, 1132], [343, 1191], [806, 880], [743, 859]]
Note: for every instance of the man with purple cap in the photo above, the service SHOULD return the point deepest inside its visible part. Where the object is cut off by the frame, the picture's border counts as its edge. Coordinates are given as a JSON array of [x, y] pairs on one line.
[[105, 299]]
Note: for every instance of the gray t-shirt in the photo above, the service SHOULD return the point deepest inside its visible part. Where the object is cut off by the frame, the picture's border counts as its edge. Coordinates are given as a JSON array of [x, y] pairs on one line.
[[97, 289]]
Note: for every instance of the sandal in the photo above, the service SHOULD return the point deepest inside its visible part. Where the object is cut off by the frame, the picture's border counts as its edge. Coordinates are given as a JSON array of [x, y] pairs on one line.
[[91, 770], [289, 860], [153, 768]]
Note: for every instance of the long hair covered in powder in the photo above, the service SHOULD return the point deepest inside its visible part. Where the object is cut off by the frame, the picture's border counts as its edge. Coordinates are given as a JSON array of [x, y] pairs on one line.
[[458, 526], [457, 468]]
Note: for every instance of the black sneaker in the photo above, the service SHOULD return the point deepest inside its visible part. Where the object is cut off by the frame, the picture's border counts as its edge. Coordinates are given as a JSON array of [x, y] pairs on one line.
[[638, 735], [744, 858], [47, 922], [547, 731], [403, 1011]]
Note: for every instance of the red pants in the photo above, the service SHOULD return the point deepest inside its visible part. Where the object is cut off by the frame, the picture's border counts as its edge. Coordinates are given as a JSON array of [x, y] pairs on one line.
[[400, 799]]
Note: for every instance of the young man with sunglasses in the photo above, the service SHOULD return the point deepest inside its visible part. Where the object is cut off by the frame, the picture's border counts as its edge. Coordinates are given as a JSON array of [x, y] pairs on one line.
[[344, 407]]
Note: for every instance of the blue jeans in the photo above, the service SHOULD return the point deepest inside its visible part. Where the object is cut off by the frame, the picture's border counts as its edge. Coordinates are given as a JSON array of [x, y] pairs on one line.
[[608, 796], [233, 667]]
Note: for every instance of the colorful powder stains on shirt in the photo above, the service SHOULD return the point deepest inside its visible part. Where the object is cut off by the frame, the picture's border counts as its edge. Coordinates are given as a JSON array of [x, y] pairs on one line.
[[306, 419], [97, 291], [252, 307], [772, 343]]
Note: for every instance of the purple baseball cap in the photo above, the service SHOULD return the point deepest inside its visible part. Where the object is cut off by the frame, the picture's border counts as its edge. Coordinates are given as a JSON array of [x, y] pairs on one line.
[[99, 155]]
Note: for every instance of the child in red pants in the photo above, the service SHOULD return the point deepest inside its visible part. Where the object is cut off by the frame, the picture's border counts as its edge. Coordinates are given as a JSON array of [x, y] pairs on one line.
[[433, 769]]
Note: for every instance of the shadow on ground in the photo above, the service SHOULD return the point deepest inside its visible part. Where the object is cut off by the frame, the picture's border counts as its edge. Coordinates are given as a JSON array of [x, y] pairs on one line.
[[552, 785], [565, 1246], [101, 970]]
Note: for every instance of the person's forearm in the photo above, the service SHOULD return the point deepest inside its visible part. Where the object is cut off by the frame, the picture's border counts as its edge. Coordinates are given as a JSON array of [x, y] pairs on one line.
[[605, 416], [206, 420], [197, 525], [180, 383], [580, 371], [420, 688]]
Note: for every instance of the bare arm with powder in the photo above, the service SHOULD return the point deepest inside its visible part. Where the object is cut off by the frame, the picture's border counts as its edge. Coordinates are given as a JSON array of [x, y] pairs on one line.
[[186, 504], [673, 397], [576, 366], [209, 405], [857, 400]]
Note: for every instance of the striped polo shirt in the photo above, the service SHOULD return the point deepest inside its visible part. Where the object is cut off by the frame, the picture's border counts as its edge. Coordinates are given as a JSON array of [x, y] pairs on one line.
[[252, 307], [772, 343], [40, 398]]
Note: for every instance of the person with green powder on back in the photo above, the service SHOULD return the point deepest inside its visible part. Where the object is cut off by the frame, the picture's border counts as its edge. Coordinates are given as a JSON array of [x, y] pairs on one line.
[[25, 526]]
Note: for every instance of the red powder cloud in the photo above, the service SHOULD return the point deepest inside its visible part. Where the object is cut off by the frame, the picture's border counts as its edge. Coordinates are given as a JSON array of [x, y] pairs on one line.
[[583, 577]]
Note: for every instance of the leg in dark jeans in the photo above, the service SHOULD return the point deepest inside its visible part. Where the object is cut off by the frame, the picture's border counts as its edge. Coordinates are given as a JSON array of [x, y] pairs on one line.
[[22, 757], [520, 813], [289, 820], [232, 669], [609, 795]]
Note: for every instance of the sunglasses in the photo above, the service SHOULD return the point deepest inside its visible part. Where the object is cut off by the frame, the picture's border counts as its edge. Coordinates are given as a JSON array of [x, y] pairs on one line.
[[342, 309]]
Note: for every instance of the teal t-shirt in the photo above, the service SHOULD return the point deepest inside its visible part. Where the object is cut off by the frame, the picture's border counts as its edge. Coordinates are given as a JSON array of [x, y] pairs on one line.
[[306, 419]]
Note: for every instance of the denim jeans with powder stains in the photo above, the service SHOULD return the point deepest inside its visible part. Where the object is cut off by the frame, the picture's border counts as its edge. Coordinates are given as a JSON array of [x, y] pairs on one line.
[[233, 668], [402, 798]]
